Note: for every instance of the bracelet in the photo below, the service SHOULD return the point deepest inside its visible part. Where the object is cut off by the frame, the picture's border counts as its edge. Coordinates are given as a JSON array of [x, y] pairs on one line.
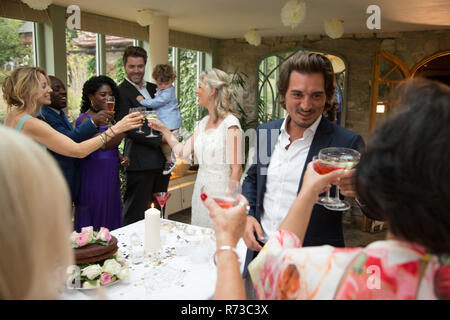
[[225, 248], [112, 131], [103, 139]]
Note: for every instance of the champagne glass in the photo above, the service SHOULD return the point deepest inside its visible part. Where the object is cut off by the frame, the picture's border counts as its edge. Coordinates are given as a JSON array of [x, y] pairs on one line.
[[322, 168], [162, 198], [338, 158], [138, 109], [149, 115], [224, 192], [110, 103]]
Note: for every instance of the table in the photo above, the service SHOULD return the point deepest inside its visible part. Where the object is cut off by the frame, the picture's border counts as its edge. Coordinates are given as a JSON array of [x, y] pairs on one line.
[[175, 276]]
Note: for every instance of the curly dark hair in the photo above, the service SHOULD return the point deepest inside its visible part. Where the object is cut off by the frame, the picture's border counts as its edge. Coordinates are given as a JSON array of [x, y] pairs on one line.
[[92, 85], [404, 175], [307, 63], [163, 72]]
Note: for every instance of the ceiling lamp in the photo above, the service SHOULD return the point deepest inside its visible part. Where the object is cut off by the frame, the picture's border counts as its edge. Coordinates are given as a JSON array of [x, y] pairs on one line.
[[293, 12], [253, 37], [38, 4], [145, 17], [334, 28]]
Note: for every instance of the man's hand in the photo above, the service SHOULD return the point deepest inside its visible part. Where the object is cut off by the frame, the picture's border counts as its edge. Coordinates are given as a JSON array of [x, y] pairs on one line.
[[251, 227], [103, 117], [347, 183], [140, 98]]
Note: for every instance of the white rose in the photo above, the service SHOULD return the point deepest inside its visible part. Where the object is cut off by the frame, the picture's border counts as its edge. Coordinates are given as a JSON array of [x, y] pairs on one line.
[[124, 274], [112, 267], [92, 271], [73, 236]]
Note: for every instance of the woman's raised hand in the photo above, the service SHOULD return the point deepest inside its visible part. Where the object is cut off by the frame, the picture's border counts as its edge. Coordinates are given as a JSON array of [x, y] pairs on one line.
[[228, 224], [157, 125], [130, 121]]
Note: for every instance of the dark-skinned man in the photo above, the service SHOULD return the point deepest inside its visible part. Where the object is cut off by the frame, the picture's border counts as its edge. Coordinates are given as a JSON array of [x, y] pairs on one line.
[[55, 117]]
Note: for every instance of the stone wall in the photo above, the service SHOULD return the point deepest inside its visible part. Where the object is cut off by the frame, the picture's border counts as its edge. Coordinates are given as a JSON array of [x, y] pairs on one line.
[[356, 49]]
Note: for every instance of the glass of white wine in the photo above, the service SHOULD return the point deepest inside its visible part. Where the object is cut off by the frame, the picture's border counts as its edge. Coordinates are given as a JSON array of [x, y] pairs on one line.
[[338, 158], [138, 109], [149, 115]]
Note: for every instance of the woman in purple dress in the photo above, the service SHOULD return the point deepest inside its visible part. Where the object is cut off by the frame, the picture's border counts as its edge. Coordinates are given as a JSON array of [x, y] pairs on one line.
[[99, 203]]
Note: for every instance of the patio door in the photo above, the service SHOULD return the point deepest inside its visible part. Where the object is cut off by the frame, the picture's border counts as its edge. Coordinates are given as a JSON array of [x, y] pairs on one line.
[[388, 70]]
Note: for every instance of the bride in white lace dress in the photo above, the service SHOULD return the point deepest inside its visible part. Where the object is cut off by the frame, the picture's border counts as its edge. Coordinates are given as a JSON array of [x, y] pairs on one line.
[[216, 141]]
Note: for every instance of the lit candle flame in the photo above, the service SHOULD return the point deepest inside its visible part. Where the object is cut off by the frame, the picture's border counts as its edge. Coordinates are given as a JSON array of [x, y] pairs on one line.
[[153, 205]]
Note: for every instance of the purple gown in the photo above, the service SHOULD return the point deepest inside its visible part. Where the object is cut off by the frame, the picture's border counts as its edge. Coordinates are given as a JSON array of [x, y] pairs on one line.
[[99, 202]]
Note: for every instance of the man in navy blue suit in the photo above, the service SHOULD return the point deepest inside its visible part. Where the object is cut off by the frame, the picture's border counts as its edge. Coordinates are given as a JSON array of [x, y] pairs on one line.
[[284, 147], [55, 117]]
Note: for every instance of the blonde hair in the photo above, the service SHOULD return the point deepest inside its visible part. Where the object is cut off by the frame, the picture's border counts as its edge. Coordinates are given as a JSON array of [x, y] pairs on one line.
[[35, 220], [224, 97], [23, 87]]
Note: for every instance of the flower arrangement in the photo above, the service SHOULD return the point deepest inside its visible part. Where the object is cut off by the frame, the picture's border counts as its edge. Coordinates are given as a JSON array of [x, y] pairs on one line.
[[99, 274], [253, 37], [334, 28], [38, 4], [293, 12], [88, 235]]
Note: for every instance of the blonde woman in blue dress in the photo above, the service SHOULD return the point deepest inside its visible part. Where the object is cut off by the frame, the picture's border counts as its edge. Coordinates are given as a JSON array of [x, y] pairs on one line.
[[216, 141]]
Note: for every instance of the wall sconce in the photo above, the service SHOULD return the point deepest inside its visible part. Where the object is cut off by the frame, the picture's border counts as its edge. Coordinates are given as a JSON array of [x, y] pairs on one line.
[[38, 4], [145, 17], [253, 37], [334, 28], [381, 107]]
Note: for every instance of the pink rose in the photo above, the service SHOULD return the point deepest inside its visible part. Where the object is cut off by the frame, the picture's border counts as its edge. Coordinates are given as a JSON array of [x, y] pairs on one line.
[[104, 234], [88, 230], [82, 239], [105, 278]]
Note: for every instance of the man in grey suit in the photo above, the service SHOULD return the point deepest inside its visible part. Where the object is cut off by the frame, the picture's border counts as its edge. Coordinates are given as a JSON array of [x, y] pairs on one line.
[[144, 174]]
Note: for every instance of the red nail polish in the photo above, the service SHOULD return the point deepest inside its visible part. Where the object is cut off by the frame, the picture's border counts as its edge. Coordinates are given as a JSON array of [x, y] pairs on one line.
[[203, 196]]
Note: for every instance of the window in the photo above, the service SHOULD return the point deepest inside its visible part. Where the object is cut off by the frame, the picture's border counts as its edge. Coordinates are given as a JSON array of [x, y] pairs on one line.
[[187, 65], [115, 47], [81, 65], [16, 49]]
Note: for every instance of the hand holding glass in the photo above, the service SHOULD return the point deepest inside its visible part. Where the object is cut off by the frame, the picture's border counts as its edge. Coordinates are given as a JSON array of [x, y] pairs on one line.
[[138, 109], [110, 103], [223, 192], [334, 159]]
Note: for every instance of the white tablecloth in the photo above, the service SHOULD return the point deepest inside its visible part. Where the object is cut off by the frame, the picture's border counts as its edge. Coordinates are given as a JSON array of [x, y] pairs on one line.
[[176, 275]]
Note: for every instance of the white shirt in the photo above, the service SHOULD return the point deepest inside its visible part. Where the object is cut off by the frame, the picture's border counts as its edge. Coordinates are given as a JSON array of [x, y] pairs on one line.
[[283, 177], [142, 90]]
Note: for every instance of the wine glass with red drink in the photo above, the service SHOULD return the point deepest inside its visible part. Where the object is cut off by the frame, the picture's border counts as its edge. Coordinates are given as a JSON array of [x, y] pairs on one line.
[[162, 198], [322, 168], [331, 159], [224, 192], [110, 104]]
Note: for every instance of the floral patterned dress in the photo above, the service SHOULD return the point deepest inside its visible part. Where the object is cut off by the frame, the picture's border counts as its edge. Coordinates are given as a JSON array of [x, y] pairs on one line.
[[384, 270]]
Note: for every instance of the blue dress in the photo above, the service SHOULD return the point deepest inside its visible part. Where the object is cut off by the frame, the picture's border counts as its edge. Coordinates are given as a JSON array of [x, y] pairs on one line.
[[99, 202]]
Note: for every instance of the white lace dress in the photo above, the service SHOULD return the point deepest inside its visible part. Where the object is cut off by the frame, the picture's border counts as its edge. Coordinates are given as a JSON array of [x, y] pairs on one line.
[[211, 155]]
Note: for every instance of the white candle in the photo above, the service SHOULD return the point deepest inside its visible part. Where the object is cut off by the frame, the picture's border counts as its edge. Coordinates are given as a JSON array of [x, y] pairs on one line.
[[152, 226]]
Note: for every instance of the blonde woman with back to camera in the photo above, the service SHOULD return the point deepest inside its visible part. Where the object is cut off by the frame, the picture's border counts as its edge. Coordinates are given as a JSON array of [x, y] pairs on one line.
[[26, 90], [216, 141], [35, 220]]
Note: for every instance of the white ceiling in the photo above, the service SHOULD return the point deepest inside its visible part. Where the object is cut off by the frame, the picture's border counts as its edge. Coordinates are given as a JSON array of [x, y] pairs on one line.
[[224, 19]]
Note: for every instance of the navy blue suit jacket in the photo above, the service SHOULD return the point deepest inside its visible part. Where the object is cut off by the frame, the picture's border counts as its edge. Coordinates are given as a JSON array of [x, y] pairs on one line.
[[68, 165], [325, 226]]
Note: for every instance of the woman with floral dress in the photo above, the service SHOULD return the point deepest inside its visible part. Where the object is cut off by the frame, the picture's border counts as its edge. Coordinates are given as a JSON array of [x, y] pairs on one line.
[[402, 178]]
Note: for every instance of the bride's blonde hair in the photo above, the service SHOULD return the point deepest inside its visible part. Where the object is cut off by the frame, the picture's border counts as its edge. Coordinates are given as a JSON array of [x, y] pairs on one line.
[[224, 97], [23, 86]]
